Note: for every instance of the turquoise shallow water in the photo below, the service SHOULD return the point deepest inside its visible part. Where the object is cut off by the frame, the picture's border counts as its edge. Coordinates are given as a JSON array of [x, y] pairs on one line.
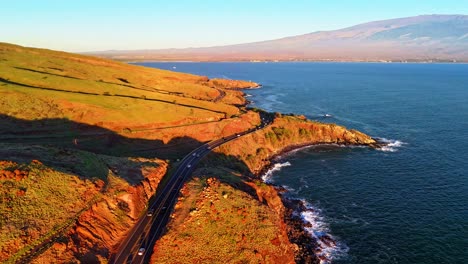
[[407, 204]]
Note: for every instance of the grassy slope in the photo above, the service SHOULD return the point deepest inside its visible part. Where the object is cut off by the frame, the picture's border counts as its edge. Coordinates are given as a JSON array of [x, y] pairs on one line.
[[38, 86], [79, 83], [40, 198], [38, 204]]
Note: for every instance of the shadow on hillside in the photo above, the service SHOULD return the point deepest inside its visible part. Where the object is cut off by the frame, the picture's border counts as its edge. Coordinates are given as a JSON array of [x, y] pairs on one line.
[[48, 73], [124, 82], [142, 97], [58, 142], [93, 138], [25, 140]]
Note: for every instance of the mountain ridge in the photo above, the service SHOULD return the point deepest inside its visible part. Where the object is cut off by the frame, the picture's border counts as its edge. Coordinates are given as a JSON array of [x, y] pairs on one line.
[[418, 38]]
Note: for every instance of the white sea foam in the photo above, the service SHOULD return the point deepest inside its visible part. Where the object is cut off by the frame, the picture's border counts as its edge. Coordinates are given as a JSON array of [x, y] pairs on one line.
[[291, 152], [328, 247], [391, 145], [276, 167]]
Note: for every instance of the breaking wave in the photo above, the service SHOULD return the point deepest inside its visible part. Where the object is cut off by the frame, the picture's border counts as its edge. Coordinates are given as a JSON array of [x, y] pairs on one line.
[[328, 247], [276, 167], [392, 145]]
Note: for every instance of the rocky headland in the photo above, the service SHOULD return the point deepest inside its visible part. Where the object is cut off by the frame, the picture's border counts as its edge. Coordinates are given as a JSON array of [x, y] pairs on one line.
[[234, 170]]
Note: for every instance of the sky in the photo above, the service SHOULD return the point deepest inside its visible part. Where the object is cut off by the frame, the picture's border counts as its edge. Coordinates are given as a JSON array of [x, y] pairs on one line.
[[96, 25]]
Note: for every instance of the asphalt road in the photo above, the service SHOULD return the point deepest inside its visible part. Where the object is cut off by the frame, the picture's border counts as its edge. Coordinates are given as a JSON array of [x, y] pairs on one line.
[[151, 226]]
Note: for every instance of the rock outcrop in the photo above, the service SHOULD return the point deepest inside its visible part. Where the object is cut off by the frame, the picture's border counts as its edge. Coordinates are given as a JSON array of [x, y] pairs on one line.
[[285, 134], [99, 230]]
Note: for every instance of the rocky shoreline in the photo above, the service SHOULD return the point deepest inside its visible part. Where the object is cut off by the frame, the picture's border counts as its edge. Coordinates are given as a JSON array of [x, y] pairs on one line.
[[308, 249]]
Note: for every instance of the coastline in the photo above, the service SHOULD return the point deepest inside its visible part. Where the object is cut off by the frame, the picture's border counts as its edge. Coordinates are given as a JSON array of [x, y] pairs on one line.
[[309, 248], [295, 147], [292, 61]]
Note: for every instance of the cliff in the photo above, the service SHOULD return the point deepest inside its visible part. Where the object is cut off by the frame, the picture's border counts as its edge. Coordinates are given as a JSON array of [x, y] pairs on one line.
[[99, 230], [70, 205], [226, 206], [287, 133]]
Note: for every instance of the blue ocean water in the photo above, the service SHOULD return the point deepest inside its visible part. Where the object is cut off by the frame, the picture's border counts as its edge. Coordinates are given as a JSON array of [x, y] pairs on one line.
[[406, 204]]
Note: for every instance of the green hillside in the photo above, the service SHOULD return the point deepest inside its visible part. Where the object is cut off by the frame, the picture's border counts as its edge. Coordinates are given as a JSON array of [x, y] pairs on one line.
[[62, 85]]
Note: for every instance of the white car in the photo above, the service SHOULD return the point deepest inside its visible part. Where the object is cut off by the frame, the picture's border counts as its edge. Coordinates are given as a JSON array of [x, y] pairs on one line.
[[141, 251], [188, 166]]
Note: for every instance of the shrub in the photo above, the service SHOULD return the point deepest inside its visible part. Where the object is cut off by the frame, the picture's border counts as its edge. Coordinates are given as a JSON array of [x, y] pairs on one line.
[[123, 206], [281, 132], [304, 132]]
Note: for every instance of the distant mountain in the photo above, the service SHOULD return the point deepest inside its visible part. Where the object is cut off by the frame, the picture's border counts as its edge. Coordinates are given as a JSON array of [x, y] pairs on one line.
[[420, 38]]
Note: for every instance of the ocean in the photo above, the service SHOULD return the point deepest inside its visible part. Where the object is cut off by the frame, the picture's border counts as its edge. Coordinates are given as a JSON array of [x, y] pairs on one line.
[[406, 203]]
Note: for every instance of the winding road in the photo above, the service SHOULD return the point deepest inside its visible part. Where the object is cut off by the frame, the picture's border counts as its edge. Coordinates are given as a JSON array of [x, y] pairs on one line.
[[138, 245]]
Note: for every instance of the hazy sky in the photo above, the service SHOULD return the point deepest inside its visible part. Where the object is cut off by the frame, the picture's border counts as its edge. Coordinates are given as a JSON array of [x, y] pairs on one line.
[[87, 25]]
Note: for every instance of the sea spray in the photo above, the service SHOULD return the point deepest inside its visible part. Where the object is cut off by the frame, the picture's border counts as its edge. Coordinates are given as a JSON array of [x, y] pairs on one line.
[[391, 145], [276, 167], [328, 247]]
